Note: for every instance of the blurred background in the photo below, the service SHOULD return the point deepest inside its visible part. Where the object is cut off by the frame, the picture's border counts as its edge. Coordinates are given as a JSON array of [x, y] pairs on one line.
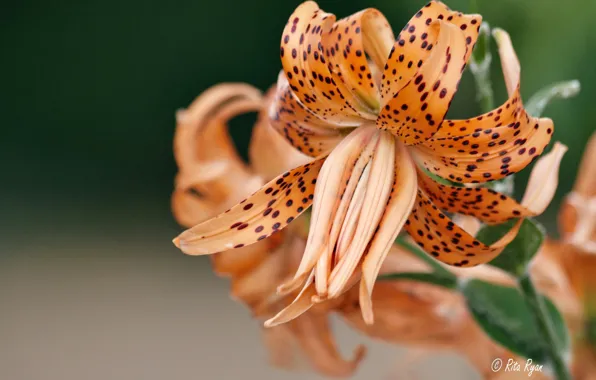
[[90, 285]]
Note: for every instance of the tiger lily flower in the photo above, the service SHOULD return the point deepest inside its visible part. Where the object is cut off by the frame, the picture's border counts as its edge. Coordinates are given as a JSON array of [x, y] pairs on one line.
[[370, 111]]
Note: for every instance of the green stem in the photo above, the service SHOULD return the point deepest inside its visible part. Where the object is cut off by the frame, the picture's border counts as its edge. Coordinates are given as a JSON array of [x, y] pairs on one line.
[[480, 68], [484, 90], [545, 326]]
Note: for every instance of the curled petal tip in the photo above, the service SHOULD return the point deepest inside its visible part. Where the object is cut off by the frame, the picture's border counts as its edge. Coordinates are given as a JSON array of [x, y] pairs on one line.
[[499, 34], [181, 115], [369, 319], [560, 147], [571, 88]]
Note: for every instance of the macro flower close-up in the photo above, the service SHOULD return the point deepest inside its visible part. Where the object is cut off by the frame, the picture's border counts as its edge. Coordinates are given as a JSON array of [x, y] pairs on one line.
[[369, 108], [290, 190]]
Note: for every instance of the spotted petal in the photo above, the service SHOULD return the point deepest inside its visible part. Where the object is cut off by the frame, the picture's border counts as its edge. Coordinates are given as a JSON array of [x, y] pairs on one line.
[[414, 44], [493, 145], [347, 45], [307, 70], [323, 62], [492, 207], [438, 235], [268, 210], [416, 111], [304, 131]]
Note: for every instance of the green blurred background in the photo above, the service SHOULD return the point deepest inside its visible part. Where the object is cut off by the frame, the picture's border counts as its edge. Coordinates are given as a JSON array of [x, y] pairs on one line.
[[89, 90]]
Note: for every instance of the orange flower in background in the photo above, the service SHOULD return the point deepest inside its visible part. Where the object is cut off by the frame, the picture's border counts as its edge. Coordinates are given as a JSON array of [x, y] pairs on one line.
[[577, 218], [370, 137], [212, 177], [577, 224]]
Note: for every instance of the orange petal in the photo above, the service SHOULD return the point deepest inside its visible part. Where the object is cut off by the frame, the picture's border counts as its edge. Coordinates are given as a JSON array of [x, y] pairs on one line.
[[409, 313], [256, 286], [190, 209], [352, 194], [268, 210], [270, 154], [313, 332], [331, 184], [412, 46], [577, 219], [492, 207], [203, 148], [307, 69], [304, 131], [491, 146], [416, 112], [299, 306], [397, 209], [372, 207], [347, 45], [543, 180], [438, 235]]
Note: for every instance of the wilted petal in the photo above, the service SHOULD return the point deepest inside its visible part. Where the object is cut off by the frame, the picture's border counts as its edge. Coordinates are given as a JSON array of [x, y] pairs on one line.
[[309, 339], [491, 146], [313, 331], [268, 210], [401, 201], [492, 207], [408, 313], [205, 154], [304, 131], [412, 49], [416, 111]]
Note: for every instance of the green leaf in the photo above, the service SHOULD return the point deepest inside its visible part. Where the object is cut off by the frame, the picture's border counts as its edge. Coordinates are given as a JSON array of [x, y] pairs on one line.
[[504, 315], [419, 253], [590, 331], [562, 90], [515, 257], [429, 278]]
